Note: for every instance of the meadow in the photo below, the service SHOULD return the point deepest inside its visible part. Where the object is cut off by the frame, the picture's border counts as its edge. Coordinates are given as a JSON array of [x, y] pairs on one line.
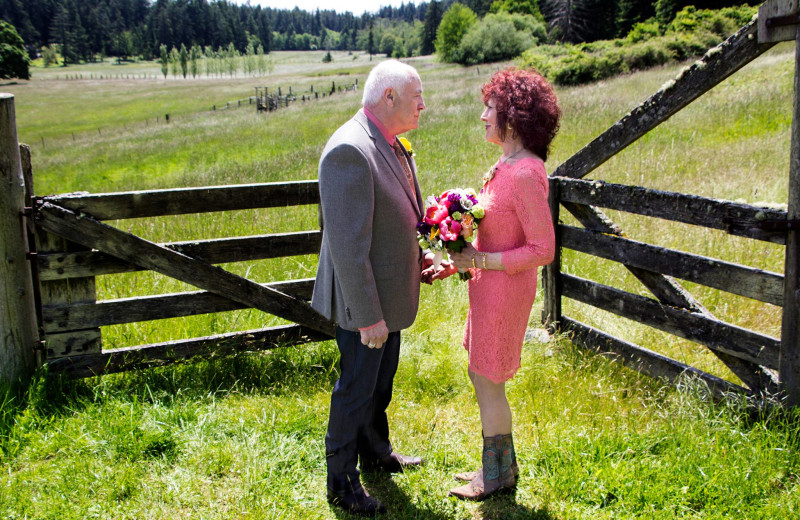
[[242, 437]]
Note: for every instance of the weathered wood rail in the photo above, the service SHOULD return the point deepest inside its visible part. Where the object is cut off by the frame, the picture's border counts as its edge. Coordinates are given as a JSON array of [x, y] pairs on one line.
[[765, 365]]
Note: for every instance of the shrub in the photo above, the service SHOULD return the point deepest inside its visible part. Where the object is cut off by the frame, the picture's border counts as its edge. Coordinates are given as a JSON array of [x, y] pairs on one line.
[[456, 21], [642, 31], [691, 33], [498, 37]]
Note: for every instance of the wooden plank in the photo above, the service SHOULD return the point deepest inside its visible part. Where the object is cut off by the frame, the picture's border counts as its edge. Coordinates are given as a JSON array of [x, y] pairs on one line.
[[75, 291], [160, 354], [771, 10], [78, 316], [732, 217], [551, 274], [717, 335], [149, 255], [27, 175], [59, 266], [73, 343], [717, 64], [752, 283], [156, 203], [643, 360], [667, 290], [790, 326]]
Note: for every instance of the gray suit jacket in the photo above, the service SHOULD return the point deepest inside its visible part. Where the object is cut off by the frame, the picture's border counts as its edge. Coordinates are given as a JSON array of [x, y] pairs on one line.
[[370, 261]]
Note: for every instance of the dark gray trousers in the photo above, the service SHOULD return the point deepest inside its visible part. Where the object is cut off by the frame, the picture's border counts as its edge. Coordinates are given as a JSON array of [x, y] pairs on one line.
[[358, 424]]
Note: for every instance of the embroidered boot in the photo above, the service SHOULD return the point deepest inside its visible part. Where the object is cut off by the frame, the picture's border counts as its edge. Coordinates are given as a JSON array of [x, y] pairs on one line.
[[469, 476], [487, 481], [508, 462]]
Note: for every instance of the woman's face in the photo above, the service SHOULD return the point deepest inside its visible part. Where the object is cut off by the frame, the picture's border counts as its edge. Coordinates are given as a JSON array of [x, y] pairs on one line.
[[489, 118]]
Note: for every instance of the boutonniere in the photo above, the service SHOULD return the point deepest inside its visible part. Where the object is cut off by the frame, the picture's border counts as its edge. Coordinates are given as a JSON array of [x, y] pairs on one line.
[[407, 145], [489, 175]]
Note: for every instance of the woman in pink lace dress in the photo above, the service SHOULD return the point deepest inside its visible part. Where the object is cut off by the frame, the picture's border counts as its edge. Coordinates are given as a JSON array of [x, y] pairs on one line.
[[515, 237]]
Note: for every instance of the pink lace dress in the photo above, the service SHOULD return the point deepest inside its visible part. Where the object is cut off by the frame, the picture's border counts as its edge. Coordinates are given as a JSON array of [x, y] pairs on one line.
[[518, 224]]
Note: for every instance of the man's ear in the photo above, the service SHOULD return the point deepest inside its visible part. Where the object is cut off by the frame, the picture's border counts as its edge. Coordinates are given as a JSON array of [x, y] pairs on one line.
[[388, 96]]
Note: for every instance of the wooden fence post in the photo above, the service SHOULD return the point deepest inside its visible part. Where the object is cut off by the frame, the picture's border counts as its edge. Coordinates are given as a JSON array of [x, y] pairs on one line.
[[789, 372], [551, 274], [17, 309]]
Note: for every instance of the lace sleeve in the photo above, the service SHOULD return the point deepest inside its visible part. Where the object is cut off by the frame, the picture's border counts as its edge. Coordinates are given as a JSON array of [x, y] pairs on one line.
[[532, 210]]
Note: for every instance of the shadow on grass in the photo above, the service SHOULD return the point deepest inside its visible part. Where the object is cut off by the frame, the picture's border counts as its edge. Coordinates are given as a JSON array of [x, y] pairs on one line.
[[279, 371], [401, 506], [505, 507]]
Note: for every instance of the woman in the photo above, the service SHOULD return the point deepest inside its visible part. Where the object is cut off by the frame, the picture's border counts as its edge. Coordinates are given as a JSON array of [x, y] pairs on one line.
[[515, 237]]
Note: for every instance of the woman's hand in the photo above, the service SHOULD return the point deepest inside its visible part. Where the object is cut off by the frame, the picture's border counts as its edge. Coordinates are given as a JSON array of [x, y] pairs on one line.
[[463, 260]]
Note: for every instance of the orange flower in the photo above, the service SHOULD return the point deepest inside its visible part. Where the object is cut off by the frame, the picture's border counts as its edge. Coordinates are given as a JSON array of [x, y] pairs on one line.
[[466, 225]]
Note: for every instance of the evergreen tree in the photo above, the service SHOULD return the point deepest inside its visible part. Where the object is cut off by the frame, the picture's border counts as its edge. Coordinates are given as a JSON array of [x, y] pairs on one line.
[[371, 41], [479, 7], [630, 12], [666, 9], [581, 20], [14, 61], [433, 17]]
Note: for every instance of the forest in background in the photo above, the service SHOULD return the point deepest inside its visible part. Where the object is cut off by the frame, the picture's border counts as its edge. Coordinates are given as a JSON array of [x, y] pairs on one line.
[[87, 30]]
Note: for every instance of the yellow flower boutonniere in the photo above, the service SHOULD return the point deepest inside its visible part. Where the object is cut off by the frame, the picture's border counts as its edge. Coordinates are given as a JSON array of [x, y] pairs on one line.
[[407, 145]]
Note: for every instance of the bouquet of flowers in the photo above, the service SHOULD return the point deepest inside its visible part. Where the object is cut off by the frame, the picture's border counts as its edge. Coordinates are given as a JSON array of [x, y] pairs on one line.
[[450, 221]]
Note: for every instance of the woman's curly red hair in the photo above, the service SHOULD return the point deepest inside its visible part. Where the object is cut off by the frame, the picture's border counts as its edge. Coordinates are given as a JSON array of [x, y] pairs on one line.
[[527, 105]]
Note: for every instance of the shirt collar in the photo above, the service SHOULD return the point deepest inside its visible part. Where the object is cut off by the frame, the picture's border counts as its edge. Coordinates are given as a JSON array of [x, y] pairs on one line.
[[384, 131]]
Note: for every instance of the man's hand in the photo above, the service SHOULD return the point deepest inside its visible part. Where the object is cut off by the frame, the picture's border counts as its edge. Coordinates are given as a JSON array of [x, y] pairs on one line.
[[375, 336], [445, 270]]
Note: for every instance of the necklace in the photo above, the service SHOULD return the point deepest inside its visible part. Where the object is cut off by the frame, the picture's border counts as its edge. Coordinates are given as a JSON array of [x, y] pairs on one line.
[[489, 175]]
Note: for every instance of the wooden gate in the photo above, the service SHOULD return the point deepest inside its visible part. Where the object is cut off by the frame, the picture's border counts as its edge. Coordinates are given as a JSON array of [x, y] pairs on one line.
[[765, 365], [74, 245]]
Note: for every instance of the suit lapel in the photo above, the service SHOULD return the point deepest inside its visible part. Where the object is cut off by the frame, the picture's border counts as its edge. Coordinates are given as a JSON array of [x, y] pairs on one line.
[[392, 163]]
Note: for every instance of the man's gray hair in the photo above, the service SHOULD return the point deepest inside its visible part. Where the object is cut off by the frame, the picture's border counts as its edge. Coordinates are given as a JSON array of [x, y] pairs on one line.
[[389, 73]]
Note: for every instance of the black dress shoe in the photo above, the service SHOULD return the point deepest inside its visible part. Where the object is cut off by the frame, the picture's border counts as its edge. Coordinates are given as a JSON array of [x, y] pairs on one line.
[[356, 501], [392, 463]]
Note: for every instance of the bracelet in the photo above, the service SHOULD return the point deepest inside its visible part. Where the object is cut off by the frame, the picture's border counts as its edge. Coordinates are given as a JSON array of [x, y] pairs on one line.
[[473, 261], [484, 260]]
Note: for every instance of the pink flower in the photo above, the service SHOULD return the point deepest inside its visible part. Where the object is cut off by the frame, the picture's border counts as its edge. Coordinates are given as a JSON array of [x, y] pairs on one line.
[[449, 229], [435, 214]]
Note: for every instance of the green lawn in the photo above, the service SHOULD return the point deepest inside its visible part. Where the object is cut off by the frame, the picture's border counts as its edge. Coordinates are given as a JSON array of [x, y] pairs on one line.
[[242, 437]]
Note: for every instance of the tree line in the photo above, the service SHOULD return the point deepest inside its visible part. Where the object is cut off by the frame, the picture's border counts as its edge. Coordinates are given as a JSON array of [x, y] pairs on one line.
[[83, 30]]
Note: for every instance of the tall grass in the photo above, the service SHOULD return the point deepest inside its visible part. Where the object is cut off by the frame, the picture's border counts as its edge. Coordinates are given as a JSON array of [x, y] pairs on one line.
[[242, 437]]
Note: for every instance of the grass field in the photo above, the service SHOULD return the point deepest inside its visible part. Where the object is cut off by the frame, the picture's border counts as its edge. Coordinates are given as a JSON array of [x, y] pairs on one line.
[[242, 437]]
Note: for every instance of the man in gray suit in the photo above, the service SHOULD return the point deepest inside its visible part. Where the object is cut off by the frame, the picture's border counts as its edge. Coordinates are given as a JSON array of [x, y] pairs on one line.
[[368, 276]]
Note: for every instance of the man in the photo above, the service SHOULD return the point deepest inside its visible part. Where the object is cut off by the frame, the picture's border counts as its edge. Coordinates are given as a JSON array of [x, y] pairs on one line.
[[369, 274]]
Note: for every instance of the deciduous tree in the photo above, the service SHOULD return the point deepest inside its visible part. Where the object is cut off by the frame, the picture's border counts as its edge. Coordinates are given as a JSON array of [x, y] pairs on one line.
[[456, 21]]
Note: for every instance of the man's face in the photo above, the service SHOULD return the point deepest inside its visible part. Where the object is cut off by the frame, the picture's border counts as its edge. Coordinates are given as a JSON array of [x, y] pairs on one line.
[[408, 103]]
